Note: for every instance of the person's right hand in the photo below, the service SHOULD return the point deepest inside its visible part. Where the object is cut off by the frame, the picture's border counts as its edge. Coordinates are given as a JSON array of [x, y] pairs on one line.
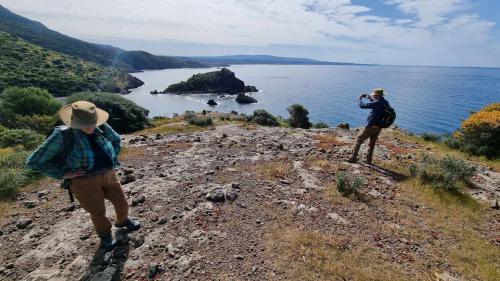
[[77, 173]]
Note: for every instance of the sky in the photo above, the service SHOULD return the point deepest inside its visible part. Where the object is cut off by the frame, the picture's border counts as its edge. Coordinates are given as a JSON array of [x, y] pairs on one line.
[[394, 32]]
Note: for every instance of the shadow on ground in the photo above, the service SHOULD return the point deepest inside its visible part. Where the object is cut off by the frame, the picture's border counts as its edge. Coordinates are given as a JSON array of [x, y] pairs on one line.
[[108, 266]]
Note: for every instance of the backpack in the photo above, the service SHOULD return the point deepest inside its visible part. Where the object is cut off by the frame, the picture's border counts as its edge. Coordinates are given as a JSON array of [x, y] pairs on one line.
[[389, 117], [68, 139], [61, 158]]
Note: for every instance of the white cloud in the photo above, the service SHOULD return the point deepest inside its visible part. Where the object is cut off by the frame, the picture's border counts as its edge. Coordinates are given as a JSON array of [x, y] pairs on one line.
[[429, 12], [432, 29]]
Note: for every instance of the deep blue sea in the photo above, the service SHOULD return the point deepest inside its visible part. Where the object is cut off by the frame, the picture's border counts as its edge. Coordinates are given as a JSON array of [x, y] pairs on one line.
[[426, 99]]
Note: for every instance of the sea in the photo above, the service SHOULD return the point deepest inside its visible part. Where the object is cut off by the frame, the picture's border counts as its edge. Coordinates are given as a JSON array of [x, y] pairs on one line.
[[426, 99]]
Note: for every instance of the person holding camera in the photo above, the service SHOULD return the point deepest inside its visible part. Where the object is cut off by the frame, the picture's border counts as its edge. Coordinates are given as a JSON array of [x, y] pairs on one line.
[[378, 106], [84, 154]]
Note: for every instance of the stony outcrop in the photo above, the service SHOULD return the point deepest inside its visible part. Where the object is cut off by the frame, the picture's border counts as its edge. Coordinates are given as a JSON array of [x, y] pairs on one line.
[[242, 98], [211, 202]]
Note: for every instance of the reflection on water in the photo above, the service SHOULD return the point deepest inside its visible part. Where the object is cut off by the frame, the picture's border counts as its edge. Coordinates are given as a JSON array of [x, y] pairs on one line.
[[427, 99]]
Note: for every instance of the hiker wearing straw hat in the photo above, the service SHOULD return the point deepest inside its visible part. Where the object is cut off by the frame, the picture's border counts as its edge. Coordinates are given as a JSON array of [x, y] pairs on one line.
[[84, 154], [378, 106]]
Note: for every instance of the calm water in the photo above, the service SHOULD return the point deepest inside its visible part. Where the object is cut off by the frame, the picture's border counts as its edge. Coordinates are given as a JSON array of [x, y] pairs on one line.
[[427, 99]]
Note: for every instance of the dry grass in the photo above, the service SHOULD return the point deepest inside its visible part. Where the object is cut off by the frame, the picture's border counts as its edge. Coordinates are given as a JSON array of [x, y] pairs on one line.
[[128, 152], [308, 255], [442, 149], [178, 145], [248, 126], [6, 208], [459, 219], [324, 164], [476, 258], [160, 121], [328, 141], [275, 169], [395, 166], [172, 128]]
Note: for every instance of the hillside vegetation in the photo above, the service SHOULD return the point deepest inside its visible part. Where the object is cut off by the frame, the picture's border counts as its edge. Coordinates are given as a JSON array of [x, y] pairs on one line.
[[24, 64], [39, 34], [220, 81]]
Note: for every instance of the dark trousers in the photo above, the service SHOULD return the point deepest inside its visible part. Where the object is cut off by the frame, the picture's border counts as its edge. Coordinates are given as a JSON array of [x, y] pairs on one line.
[[371, 133]]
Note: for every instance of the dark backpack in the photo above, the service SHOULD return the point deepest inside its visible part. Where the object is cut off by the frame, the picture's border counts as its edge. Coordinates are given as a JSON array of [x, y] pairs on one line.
[[389, 117], [61, 158]]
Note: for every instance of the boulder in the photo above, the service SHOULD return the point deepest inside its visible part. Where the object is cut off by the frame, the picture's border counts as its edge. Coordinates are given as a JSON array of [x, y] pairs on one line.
[[242, 98], [23, 223], [211, 102]]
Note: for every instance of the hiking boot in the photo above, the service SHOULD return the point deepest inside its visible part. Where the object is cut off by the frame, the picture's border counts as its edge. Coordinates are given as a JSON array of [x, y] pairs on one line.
[[108, 243], [131, 225]]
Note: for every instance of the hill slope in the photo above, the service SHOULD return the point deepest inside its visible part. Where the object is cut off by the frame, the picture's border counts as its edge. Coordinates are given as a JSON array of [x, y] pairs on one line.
[[24, 64], [39, 34], [256, 204]]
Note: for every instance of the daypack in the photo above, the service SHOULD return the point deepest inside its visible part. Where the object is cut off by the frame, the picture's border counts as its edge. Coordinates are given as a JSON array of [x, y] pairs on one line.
[[68, 140], [61, 158], [389, 117]]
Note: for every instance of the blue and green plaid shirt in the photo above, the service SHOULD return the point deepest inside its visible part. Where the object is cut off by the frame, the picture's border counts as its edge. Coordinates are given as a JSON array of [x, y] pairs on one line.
[[81, 156]]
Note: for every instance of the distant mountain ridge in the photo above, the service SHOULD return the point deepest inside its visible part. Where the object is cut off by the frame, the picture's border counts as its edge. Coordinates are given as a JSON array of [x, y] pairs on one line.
[[106, 55], [259, 59]]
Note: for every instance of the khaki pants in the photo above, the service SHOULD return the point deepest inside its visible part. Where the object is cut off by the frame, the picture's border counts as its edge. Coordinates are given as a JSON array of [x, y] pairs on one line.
[[371, 133], [92, 190]]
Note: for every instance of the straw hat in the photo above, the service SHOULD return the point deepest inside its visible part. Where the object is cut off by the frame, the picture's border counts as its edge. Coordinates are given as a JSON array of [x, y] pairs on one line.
[[378, 92], [83, 114]]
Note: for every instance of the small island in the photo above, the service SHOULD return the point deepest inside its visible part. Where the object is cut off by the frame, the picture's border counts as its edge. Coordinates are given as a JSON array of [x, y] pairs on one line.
[[221, 81]]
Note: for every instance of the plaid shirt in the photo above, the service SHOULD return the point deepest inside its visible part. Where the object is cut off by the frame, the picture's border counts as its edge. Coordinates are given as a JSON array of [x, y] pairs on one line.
[[80, 157]]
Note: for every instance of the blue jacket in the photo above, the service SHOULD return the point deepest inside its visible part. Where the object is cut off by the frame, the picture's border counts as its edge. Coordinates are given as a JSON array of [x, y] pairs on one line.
[[377, 111]]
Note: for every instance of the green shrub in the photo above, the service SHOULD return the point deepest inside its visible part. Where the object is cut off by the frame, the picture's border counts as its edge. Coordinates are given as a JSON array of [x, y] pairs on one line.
[[193, 119], [431, 137], [26, 102], [264, 118], [124, 115], [26, 138], [201, 121], [38, 123], [480, 133], [298, 117], [13, 174], [349, 186], [188, 115], [447, 173], [2, 128], [320, 125], [10, 181]]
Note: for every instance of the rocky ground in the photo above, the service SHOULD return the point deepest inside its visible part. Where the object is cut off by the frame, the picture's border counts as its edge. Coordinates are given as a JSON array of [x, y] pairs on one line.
[[244, 203]]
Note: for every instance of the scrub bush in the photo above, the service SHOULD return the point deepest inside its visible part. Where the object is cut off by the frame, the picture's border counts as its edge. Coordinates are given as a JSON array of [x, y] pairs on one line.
[[20, 137], [264, 118], [480, 133], [298, 117], [447, 173], [124, 115]]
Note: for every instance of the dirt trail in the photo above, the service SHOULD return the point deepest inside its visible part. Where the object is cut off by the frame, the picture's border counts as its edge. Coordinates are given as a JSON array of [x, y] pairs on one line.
[[210, 203]]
